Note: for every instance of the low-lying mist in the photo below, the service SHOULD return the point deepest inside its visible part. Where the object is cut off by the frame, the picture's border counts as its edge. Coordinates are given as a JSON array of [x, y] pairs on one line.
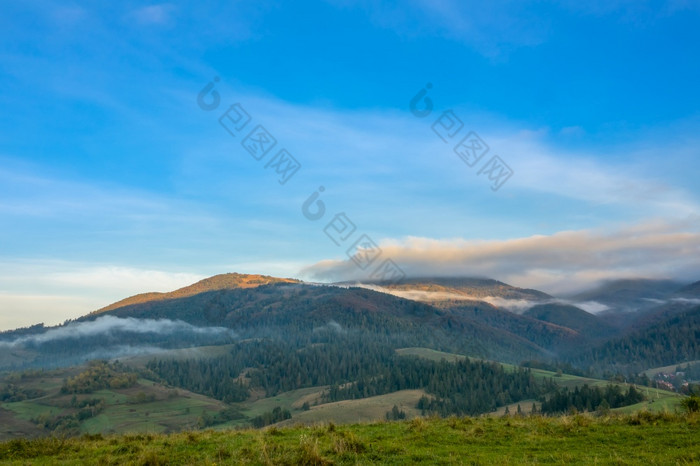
[[111, 325]]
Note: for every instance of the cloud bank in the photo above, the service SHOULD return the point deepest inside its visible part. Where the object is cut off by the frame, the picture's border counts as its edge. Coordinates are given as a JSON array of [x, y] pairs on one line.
[[561, 263]]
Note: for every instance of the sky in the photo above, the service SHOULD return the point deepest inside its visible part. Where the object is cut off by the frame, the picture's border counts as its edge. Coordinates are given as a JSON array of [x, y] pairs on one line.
[[551, 145]]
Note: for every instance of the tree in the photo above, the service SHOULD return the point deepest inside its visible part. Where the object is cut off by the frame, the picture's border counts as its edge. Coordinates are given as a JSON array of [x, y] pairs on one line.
[[691, 404]]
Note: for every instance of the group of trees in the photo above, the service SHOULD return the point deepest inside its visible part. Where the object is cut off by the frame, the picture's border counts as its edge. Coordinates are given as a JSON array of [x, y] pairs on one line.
[[100, 375], [395, 414], [12, 392], [462, 387], [271, 417], [588, 398], [208, 419], [276, 366]]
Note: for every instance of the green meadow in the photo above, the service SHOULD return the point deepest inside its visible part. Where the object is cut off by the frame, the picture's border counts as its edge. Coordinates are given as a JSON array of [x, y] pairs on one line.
[[641, 438]]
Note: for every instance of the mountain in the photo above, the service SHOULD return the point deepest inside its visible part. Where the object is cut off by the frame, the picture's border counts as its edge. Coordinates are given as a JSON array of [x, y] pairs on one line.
[[630, 295], [550, 337], [450, 315], [217, 282], [450, 292], [571, 317], [690, 291], [286, 309], [672, 340], [500, 306], [232, 308], [473, 287]]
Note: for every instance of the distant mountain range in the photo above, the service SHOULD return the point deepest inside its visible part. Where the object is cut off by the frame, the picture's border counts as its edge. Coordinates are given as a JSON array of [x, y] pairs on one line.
[[476, 316]]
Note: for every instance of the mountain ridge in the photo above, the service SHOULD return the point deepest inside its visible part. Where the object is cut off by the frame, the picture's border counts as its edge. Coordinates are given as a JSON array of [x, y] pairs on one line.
[[214, 283]]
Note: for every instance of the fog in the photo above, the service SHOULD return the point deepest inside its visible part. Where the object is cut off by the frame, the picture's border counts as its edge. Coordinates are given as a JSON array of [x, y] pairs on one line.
[[110, 324]]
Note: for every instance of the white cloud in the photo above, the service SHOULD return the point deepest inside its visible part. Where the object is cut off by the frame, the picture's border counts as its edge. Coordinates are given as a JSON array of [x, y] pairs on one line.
[[592, 307]]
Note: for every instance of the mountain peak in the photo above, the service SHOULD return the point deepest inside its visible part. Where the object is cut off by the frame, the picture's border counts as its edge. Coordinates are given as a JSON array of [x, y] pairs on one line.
[[224, 281]]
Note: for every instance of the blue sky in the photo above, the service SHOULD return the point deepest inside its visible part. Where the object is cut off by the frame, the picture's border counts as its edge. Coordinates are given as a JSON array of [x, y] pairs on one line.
[[113, 181]]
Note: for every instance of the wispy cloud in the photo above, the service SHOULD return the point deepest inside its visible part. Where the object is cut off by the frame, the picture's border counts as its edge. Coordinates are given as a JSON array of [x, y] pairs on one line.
[[491, 28], [154, 14], [499, 27], [629, 182], [633, 178], [111, 324]]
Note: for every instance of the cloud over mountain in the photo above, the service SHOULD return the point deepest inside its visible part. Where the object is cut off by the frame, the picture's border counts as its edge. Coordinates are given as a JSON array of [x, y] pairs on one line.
[[559, 263]]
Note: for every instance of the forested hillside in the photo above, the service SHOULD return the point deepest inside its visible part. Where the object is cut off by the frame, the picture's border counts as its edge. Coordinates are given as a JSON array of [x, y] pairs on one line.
[[670, 341]]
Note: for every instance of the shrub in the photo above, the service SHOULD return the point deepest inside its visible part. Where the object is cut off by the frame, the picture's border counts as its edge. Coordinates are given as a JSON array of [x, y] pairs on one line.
[[691, 404]]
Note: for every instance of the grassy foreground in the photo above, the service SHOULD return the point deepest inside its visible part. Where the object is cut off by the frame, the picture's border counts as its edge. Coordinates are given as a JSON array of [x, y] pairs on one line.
[[641, 438]]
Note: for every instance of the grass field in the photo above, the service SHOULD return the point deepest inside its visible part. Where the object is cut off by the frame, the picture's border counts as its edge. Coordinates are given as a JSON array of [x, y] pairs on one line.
[[669, 369], [430, 354], [642, 438], [363, 410], [167, 410]]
